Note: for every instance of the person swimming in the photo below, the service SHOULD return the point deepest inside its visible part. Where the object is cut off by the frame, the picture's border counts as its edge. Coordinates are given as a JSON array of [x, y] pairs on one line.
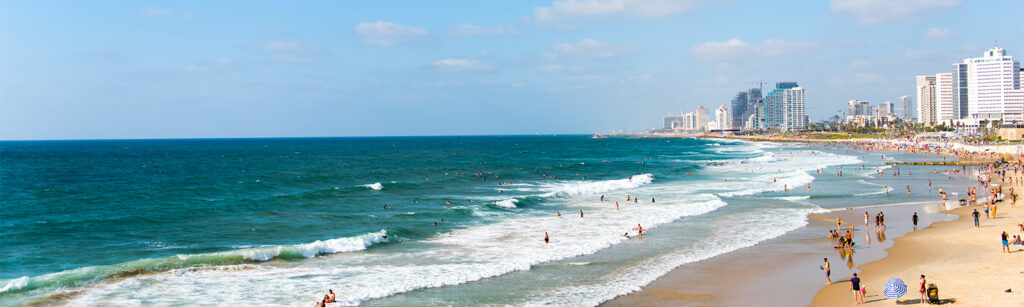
[[330, 294], [546, 238]]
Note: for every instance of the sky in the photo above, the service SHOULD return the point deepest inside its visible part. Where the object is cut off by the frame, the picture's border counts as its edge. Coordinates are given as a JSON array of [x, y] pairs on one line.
[[223, 69]]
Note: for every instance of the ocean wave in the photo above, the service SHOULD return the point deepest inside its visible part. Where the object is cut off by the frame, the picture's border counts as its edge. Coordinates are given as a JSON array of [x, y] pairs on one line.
[[15, 284], [723, 240], [580, 188], [75, 277], [462, 256], [376, 186], [508, 203]]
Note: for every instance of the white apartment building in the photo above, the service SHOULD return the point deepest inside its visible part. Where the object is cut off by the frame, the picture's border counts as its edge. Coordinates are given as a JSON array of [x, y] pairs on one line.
[[723, 118], [926, 99], [794, 110], [944, 104], [994, 87]]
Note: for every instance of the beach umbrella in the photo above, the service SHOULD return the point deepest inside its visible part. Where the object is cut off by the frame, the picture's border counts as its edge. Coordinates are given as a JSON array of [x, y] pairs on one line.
[[895, 288]]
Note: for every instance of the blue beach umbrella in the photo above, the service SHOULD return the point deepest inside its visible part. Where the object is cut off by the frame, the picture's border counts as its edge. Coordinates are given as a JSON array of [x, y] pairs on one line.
[[895, 288]]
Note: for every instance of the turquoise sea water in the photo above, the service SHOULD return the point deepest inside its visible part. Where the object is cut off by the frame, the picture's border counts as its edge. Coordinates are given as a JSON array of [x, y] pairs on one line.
[[280, 221]]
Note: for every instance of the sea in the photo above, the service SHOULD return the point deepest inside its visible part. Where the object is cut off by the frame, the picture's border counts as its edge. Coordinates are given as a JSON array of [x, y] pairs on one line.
[[398, 221]]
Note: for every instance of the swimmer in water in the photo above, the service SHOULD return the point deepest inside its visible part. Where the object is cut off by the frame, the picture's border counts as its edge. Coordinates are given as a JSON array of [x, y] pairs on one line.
[[581, 213], [546, 238], [558, 214]]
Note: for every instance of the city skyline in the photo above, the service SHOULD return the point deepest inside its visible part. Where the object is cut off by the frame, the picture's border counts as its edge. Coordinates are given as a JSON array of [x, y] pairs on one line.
[[198, 70]]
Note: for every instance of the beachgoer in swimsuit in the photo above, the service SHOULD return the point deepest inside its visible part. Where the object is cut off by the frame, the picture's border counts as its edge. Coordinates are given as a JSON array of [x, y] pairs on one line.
[[546, 238]]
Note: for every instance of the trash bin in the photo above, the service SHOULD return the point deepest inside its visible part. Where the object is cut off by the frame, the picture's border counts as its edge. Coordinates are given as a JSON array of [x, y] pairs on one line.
[[933, 294]]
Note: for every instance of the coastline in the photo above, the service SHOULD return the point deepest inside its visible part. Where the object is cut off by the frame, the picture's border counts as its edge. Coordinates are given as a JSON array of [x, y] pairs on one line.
[[762, 271], [963, 261]]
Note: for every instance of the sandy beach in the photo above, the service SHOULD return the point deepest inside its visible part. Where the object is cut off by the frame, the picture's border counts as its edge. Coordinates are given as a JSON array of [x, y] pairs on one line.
[[965, 262]]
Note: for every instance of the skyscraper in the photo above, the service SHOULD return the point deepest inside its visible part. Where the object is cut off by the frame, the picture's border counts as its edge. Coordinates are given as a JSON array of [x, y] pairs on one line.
[[859, 107], [739, 105], [905, 107], [945, 109], [794, 116], [926, 99], [723, 118], [994, 87], [773, 105], [960, 98], [702, 117]]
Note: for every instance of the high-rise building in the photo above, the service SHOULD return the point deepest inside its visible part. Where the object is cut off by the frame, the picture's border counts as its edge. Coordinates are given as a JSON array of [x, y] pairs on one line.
[[739, 105], [859, 107], [945, 108], [701, 117], [884, 109], [960, 98], [926, 99], [994, 87], [793, 109], [905, 108], [773, 105], [723, 117]]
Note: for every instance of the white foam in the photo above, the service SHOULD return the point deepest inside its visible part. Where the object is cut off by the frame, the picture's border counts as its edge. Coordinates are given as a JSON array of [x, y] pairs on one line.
[[580, 188], [508, 203], [463, 255], [728, 236], [15, 284], [376, 186]]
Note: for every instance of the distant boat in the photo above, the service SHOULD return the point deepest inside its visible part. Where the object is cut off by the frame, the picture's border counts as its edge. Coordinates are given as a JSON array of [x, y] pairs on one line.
[[598, 136]]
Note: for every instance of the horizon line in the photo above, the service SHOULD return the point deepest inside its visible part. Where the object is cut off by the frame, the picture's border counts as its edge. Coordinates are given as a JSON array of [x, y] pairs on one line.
[[287, 137]]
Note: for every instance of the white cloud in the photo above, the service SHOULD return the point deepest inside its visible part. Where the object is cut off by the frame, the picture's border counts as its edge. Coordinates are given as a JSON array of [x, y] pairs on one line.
[[475, 30], [563, 10], [736, 48], [732, 48], [883, 11], [383, 33], [594, 49], [461, 64], [936, 33]]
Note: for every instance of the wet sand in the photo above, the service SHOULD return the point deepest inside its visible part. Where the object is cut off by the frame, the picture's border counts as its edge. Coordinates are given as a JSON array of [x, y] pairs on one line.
[[782, 271], [965, 262]]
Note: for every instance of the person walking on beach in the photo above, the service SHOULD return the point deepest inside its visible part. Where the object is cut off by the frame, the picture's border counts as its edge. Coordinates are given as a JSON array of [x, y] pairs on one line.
[[914, 218], [1006, 243], [976, 215], [923, 292], [828, 271], [858, 297]]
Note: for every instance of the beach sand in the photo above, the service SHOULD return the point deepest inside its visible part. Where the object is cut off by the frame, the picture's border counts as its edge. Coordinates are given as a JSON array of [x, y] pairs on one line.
[[782, 271], [963, 261]]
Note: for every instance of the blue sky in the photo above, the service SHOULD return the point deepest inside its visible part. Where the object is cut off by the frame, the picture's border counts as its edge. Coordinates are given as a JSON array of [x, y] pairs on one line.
[[187, 69]]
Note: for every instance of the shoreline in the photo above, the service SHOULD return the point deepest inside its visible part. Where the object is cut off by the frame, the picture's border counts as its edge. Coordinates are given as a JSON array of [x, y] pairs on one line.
[[681, 286], [962, 260]]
